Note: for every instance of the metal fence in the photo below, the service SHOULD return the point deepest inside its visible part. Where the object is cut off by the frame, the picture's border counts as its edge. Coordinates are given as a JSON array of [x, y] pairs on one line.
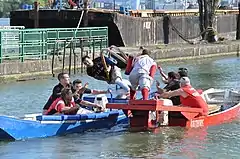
[[39, 43]]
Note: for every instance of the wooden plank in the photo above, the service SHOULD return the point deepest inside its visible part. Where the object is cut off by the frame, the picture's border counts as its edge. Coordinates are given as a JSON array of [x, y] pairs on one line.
[[145, 102], [179, 109], [154, 108], [189, 115], [131, 107]]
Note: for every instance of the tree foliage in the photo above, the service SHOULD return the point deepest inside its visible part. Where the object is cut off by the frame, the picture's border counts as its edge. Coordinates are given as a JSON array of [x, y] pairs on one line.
[[6, 6]]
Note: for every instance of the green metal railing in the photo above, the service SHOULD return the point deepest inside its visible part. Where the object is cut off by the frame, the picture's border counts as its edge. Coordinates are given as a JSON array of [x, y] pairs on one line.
[[39, 43]]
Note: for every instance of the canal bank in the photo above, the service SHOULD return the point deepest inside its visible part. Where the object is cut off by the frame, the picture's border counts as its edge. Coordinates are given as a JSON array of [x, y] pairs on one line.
[[35, 69]]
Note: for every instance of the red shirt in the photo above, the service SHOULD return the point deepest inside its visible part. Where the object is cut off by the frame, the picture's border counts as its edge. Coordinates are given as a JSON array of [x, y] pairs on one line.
[[58, 105], [193, 99]]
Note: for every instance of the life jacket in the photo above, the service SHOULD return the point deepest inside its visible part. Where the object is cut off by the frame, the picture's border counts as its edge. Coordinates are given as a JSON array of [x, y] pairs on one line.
[[193, 99], [53, 108]]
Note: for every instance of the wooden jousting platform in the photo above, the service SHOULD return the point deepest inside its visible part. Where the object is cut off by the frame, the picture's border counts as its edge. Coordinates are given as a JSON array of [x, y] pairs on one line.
[[168, 115]]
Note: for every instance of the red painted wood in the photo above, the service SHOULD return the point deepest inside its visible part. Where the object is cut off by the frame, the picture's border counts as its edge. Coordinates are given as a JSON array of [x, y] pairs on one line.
[[154, 108], [145, 102], [215, 119], [189, 115]]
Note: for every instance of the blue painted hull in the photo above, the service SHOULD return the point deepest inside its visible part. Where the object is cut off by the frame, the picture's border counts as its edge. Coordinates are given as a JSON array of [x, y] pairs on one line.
[[18, 129]]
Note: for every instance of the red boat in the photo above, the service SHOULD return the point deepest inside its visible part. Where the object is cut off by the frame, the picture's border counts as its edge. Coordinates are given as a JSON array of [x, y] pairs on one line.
[[224, 106]]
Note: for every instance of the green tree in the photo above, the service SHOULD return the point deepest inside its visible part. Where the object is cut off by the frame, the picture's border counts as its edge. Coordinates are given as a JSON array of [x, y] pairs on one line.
[[6, 6]]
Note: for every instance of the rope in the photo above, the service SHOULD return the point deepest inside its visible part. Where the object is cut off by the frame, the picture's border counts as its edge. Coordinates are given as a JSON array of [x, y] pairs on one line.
[[184, 37], [75, 32]]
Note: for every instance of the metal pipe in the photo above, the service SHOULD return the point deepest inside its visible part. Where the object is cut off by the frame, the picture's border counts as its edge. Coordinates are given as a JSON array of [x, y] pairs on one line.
[[81, 47], [93, 48], [74, 59], [53, 57], [64, 54], [70, 59]]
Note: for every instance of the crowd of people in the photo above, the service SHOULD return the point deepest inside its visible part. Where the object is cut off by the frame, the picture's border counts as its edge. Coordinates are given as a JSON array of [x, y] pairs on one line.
[[66, 97]]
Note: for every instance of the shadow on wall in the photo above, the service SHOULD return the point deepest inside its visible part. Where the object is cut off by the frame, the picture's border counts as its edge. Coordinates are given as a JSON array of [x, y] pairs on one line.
[[114, 36]]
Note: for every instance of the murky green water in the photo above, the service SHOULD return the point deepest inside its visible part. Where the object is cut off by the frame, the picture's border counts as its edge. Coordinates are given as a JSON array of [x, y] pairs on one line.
[[214, 142]]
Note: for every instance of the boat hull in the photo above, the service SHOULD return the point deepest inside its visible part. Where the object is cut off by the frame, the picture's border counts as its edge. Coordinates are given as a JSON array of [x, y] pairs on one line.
[[216, 118], [18, 129]]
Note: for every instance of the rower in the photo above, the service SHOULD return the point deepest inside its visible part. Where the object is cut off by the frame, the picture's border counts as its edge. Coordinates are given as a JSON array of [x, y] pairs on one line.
[[64, 104], [78, 91], [188, 96], [172, 84], [64, 82]]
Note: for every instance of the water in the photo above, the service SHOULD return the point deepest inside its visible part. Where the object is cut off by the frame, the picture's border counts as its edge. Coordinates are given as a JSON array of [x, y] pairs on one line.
[[220, 141], [4, 21]]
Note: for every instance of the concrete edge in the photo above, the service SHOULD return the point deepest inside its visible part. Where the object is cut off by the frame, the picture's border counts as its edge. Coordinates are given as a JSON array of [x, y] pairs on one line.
[[47, 74], [196, 57], [30, 76]]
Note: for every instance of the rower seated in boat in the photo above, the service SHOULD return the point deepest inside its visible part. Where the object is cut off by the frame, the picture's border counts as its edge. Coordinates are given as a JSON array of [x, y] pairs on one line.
[[182, 72], [64, 82], [188, 96], [172, 84], [111, 74], [65, 104], [78, 91]]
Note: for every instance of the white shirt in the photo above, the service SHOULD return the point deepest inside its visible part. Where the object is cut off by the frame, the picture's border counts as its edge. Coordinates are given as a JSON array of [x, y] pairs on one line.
[[142, 64]]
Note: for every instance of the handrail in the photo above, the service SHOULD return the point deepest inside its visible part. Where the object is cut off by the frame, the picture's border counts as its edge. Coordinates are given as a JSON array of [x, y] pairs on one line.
[[26, 43]]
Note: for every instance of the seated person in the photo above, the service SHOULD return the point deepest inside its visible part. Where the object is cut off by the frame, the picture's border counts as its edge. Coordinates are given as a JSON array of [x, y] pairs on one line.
[[78, 91], [112, 75], [64, 82], [77, 85], [182, 72], [172, 84], [188, 96], [64, 104]]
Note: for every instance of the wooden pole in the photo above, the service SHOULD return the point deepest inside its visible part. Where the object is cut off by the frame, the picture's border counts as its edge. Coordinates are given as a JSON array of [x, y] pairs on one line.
[[166, 29], [201, 19], [36, 14], [85, 15], [238, 23]]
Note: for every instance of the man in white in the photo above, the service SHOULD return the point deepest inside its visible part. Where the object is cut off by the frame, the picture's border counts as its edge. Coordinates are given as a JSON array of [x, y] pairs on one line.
[[142, 74]]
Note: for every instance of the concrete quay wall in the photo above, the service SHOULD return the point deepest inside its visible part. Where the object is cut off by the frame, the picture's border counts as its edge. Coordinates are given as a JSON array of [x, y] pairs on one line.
[[14, 70]]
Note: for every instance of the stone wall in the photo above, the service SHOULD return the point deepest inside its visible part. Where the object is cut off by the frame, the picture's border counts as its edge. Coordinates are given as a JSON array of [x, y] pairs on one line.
[[32, 66]]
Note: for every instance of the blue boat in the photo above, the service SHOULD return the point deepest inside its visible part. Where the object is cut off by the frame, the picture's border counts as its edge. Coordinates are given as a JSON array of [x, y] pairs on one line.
[[38, 126]]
